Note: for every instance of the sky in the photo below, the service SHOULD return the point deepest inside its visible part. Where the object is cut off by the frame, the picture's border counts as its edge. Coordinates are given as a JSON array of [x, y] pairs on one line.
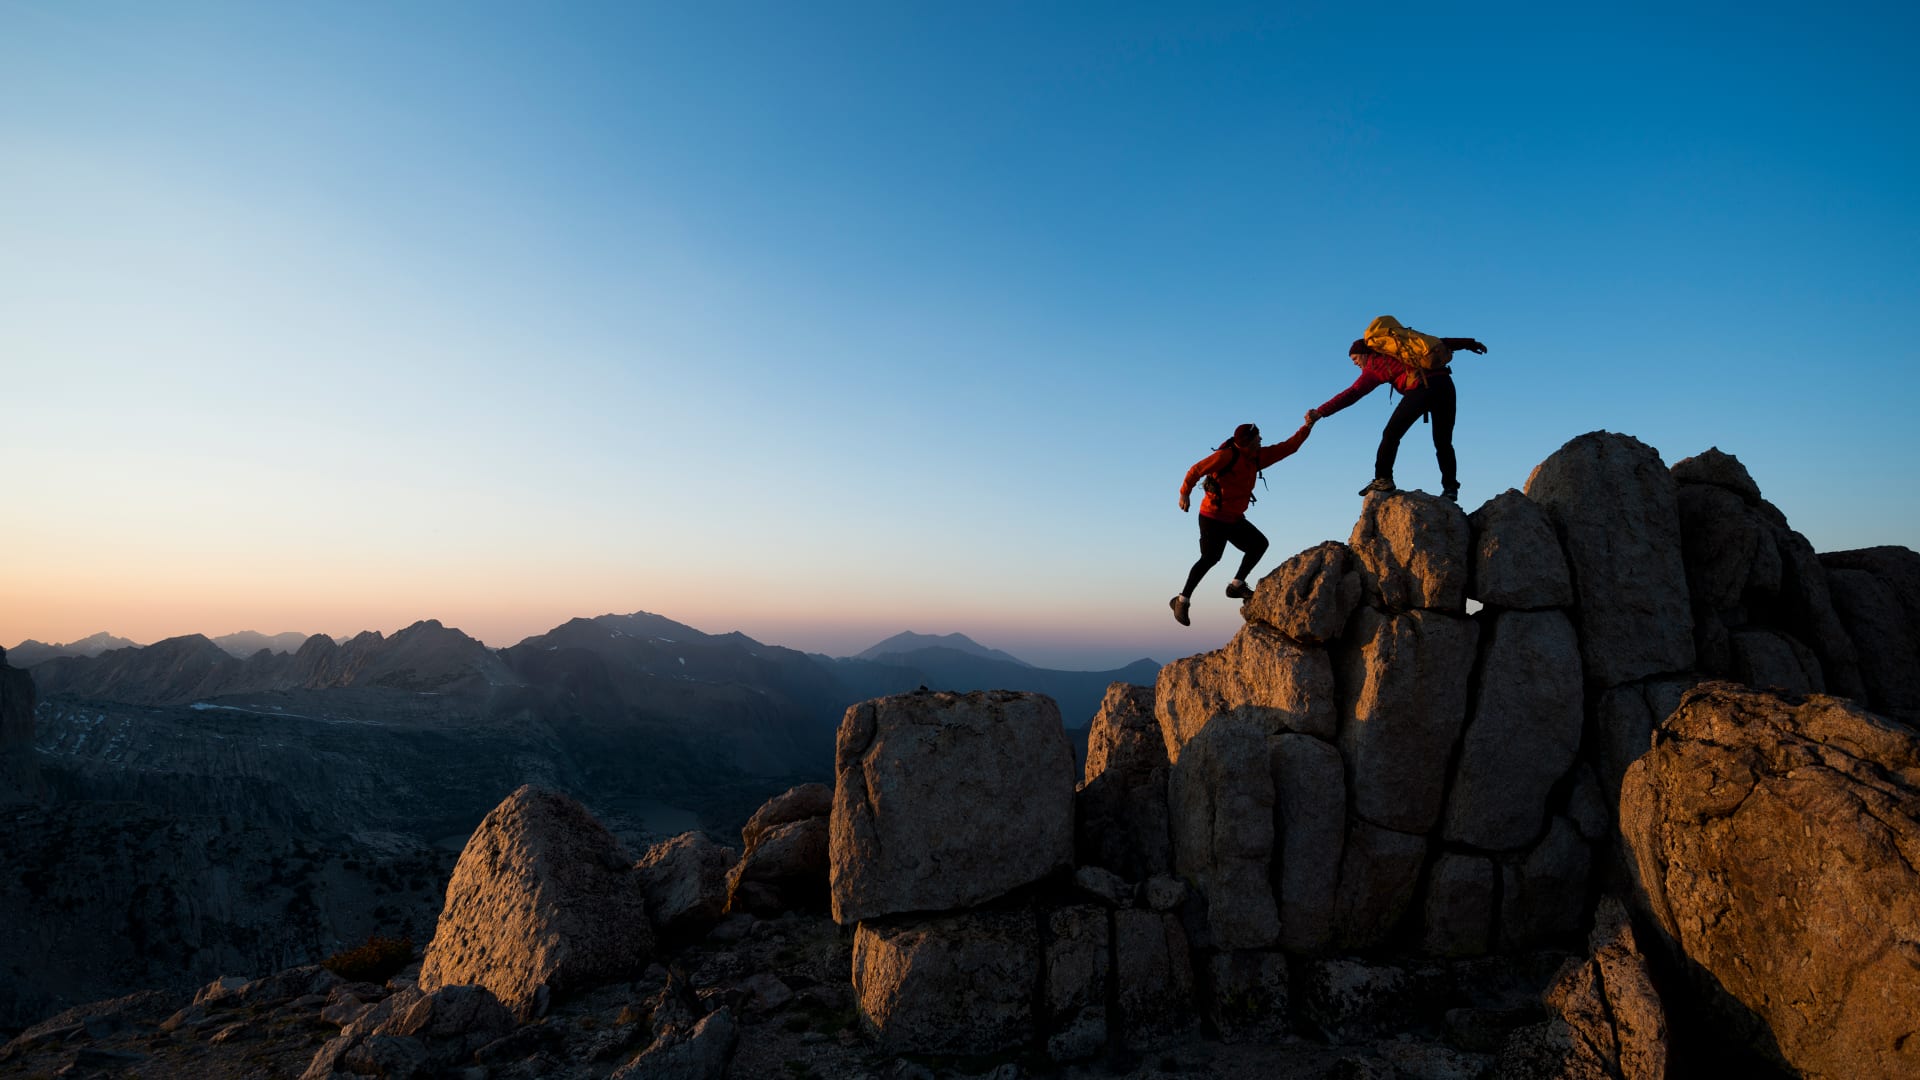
[[825, 321]]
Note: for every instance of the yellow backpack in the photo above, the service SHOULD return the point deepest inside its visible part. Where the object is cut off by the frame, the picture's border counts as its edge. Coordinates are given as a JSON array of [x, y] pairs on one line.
[[1411, 347]]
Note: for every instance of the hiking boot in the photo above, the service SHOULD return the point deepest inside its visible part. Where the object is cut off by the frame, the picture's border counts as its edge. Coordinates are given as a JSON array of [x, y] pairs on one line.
[[1451, 494], [1377, 484], [1180, 604], [1238, 590]]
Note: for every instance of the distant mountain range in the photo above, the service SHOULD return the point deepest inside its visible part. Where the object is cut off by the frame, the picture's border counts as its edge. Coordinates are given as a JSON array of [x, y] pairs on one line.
[[244, 644], [331, 782], [635, 708], [247, 642], [31, 652], [910, 642]]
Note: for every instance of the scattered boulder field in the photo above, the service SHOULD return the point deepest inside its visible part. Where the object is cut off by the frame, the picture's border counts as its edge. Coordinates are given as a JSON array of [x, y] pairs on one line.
[[1650, 809]]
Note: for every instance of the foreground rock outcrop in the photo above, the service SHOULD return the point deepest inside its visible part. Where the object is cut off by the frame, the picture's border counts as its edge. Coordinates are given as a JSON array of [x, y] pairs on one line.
[[784, 867], [1763, 604], [1399, 772], [414, 1033], [1607, 1018], [1614, 505], [1120, 819], [544, 899], [1876, 594], [959, 984], [1360, 839], [684, 881], [1775, 843], [946, 800], [951, 968]]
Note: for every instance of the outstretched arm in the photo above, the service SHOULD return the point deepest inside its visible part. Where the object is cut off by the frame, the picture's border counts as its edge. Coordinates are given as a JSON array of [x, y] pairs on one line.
[[1279, 450], [1361, 387], [1467, 343]]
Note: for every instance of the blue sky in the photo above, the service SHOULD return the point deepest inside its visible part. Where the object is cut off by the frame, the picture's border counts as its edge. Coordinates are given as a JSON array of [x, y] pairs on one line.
[[826, 321]]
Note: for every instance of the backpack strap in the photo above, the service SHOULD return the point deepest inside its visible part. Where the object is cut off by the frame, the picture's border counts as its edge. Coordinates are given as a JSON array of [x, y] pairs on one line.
[[1211, 482], [1213, 478]]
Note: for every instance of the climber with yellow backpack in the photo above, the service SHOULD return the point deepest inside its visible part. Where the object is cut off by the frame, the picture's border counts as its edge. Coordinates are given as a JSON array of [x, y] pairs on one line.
[[1416, 364]]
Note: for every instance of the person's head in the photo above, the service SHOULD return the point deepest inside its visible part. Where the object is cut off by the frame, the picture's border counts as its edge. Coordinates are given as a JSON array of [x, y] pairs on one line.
[[1247, 436]]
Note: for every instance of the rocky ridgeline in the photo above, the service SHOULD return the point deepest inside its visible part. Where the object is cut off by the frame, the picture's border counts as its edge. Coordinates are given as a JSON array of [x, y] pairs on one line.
[[1375, 835]]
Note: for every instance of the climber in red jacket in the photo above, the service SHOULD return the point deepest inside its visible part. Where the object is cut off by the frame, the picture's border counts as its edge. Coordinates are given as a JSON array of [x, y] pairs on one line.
[[1230, 472], [1427, 393]]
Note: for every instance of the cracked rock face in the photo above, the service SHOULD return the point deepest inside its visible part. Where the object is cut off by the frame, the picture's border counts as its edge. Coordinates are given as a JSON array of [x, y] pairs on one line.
[[945, 800], [1220, 798], [1121, 822], [1153, 971], [959, 984], [1403, 681], [1261, 676], [1412, 550], [1615, 507], [785, 869], [1608, 1020], [1719, 469], [1523, 734], [1728, 548], [685, 881], [1308, 597], [543, 899], [1775, 844], [1516, 560], [795, 804], [1310, 821], [1869, 597]]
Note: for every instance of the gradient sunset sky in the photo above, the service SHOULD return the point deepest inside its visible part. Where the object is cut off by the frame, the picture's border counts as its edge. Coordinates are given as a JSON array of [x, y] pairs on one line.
[[824, 321]]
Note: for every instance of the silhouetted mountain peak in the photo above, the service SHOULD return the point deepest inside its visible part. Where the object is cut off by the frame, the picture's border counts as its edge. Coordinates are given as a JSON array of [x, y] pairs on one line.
[[909, 641], [645, 624], [186, 644], [246, 643], [317, 645], [30, 652]]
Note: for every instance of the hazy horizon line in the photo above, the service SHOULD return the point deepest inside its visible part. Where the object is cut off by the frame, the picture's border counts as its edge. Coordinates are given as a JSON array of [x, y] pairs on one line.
[[341, 638]]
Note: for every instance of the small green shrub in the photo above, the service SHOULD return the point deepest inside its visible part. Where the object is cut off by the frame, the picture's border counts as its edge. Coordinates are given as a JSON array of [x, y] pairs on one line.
[[380, 959]]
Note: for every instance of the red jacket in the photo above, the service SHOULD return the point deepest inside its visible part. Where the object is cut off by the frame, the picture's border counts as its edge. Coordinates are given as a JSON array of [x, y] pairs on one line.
[[1377, 368], [1236, 482]]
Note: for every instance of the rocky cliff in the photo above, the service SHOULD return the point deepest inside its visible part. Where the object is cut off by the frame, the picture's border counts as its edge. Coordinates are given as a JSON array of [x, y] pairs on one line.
[[1369, 781], [1418, 818]]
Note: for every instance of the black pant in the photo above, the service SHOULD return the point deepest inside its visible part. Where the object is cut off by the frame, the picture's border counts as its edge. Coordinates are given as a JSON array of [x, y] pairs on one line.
[[1215, 535], [1435, 398]]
